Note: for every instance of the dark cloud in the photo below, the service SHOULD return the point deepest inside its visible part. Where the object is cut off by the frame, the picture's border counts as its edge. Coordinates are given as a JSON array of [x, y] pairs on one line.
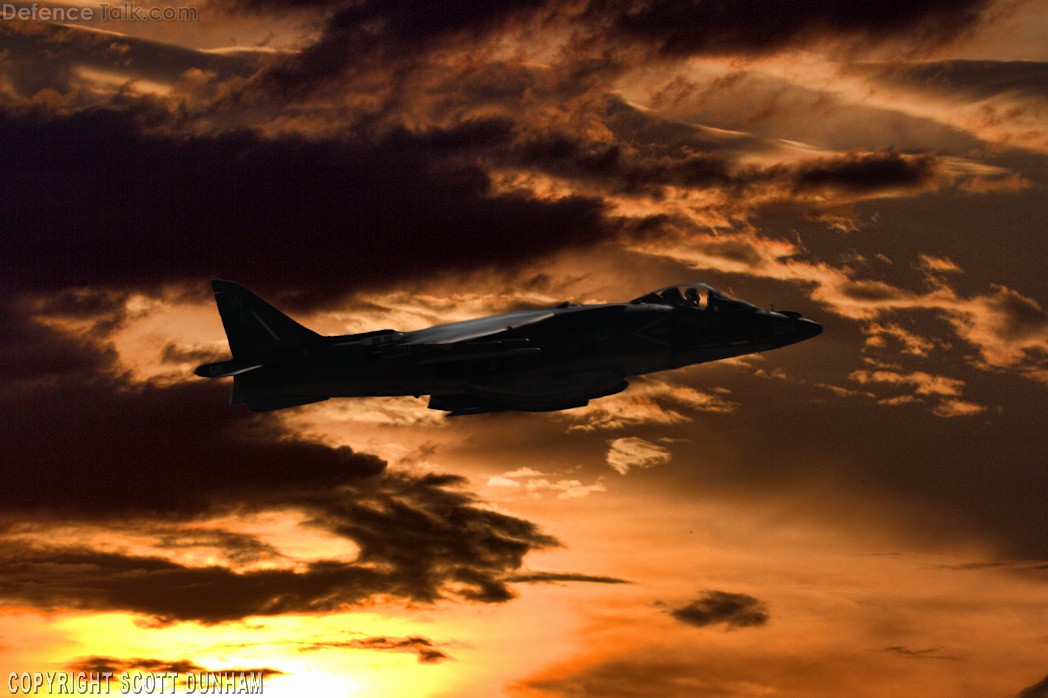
[[106, 309], [109, 205], [424, 648], [278, 6], [414, 23], [678, 29], [1017, 316], [642, 174], [51, 578], [772, 106], [32, 351], [1038, 690], [1023, 567], [934, 652], [239, 548], [117, 666], [94, 447], [649, 671], [101, 447], [419, 541], [975, 79], [543, 577], [664, 154], [734, 610], [374, 33], [867, 172], [175, 353], [41, 56], [361, 35], [372, 206]]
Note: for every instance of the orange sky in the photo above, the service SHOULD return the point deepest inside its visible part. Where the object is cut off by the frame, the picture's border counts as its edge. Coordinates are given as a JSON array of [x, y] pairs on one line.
[[861, 514]]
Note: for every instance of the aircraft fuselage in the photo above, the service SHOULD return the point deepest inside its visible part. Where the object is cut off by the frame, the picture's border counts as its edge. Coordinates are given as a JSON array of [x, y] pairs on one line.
[[533, 360]]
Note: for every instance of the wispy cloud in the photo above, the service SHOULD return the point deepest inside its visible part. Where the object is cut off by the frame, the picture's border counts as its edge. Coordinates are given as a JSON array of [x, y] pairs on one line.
[[423, 648], [722, 607], [633, 452], [650, 401]]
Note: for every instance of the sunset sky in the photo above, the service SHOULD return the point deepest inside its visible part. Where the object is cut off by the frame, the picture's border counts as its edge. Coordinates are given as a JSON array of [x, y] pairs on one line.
[[862, 514]]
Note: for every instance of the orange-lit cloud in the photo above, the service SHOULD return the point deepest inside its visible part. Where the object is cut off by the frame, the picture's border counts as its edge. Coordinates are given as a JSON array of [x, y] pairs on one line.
[[631, 452], [866, 504]]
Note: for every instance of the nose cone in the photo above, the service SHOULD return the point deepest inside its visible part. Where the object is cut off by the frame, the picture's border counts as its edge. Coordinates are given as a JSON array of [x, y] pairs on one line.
[[806, 329], [796, 327]]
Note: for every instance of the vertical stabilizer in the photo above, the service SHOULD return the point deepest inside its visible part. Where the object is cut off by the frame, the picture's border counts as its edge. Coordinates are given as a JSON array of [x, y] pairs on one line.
[[257, 332]]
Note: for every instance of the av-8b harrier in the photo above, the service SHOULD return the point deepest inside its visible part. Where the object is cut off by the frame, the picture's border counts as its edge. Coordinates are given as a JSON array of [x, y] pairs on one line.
[[530, 360]]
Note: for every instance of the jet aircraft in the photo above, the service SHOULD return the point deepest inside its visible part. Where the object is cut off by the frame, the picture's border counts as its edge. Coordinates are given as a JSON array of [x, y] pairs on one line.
[[530, 360]]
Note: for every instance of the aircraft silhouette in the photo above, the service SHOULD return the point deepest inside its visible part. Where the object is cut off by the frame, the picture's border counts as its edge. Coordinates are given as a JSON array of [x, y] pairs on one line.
[[530, 360]]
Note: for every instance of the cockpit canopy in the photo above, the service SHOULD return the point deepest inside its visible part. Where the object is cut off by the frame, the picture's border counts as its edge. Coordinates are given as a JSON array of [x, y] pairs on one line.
[[701, 296]]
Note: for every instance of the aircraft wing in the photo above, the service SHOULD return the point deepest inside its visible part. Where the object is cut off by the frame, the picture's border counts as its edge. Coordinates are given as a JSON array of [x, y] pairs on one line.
[[370, 339], [470, 330], [471, 351], [470, 340]]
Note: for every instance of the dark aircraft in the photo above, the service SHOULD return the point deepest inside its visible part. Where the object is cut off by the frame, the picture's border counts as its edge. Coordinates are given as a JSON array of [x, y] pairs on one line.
[[530, 360]]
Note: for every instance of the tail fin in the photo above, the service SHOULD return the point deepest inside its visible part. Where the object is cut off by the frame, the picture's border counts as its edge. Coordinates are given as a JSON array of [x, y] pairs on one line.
[[256, 329], [257, 332], [258, 335]]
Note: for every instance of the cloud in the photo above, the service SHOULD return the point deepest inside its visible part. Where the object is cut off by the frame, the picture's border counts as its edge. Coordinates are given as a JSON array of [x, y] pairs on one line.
[[360, 37], [194, 355], [632, 452], [177, 451], [999, 102], [976, 79], [419, 128], [464, 554], [957, 408], [867, 172], [653, 671], [499, 481], [565, 489], [523, 472], [879, 334], [637, 153], [648, 401], [1008, 329], [933, 652], [923, 383], [714, 607], [731, 28], [93, 447], [665, 158], [361, 210], [383, 411], [1034, 567], [117, 666], [1038, 690], [66, 63], [424, 648], [940, 265], [535, 484], [33, 352], [384, 188], [547, 577]]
